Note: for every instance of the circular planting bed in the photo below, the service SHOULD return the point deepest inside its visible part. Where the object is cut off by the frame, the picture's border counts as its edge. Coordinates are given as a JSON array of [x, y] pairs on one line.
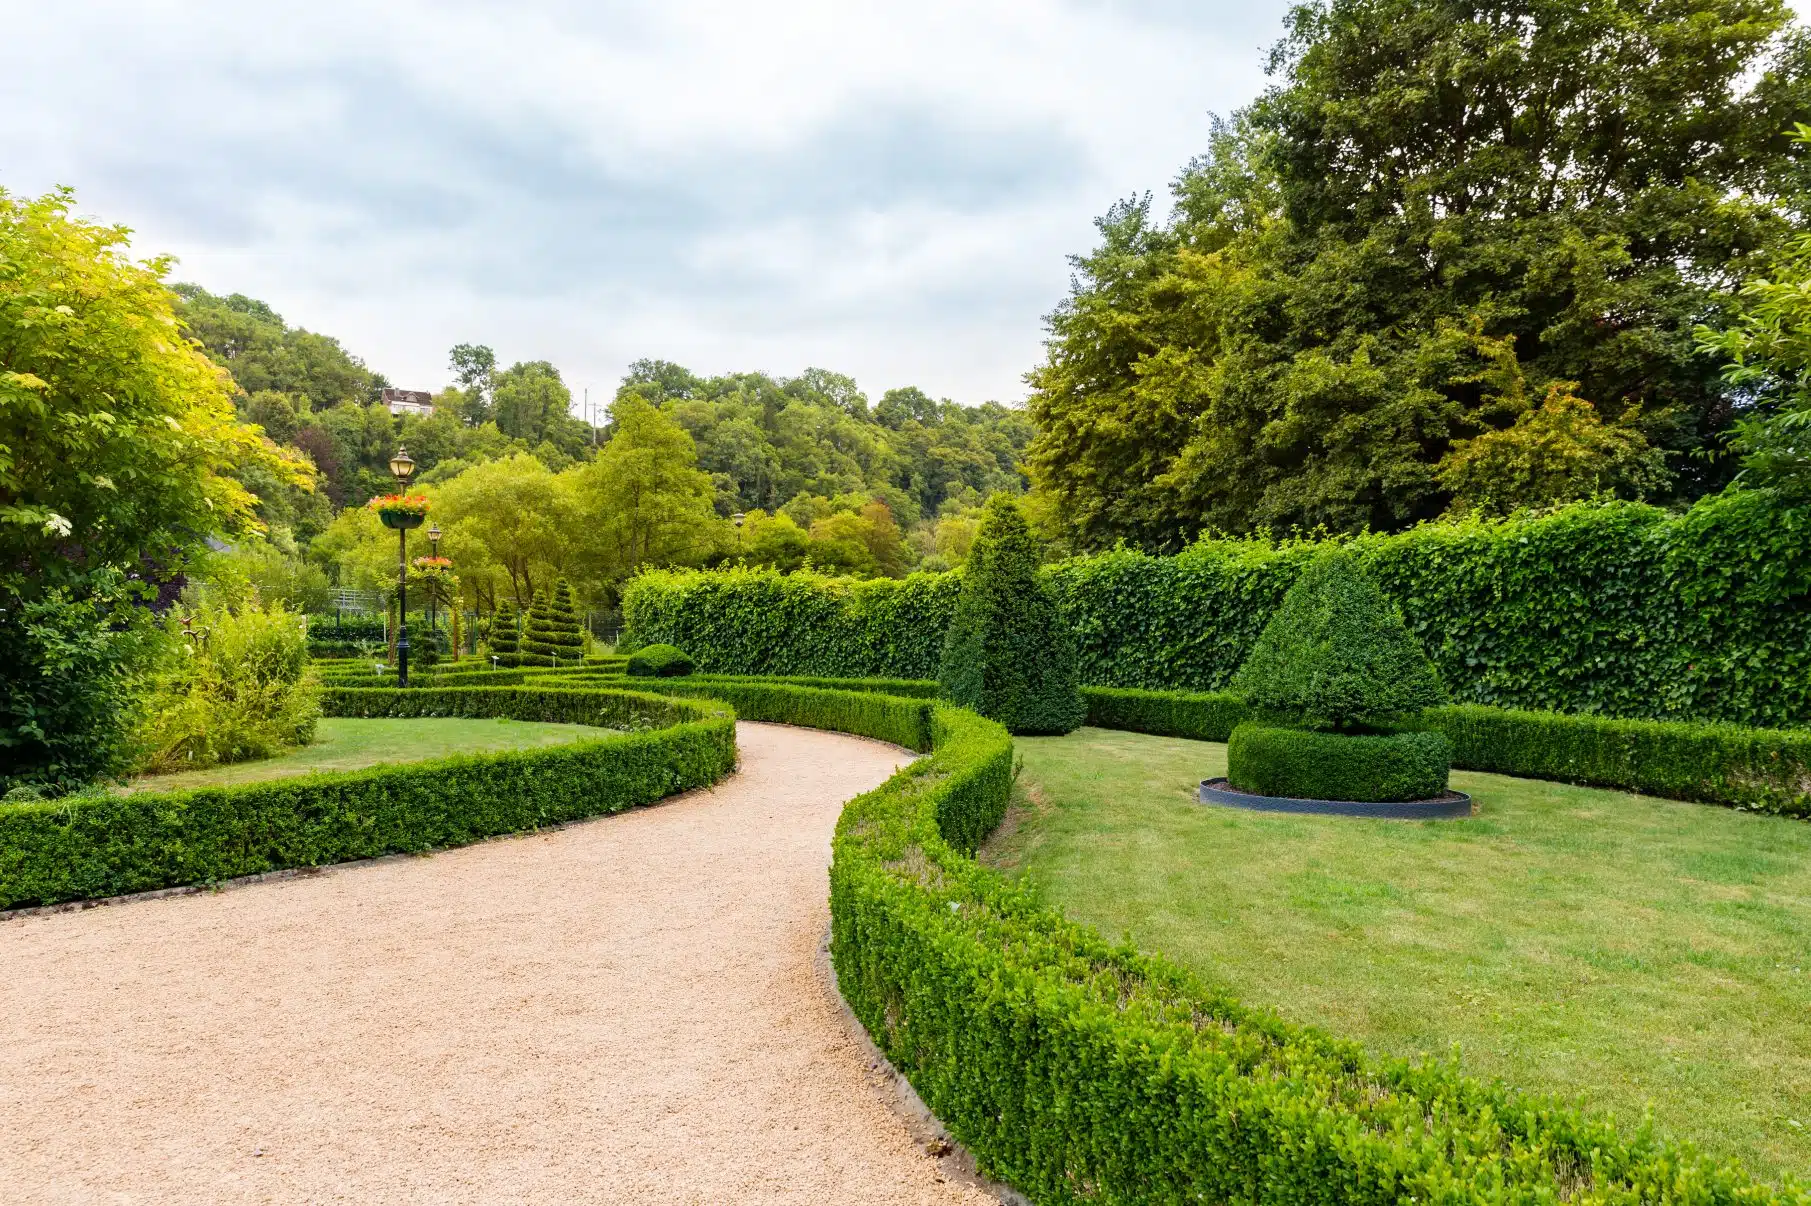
[[1451, 806]]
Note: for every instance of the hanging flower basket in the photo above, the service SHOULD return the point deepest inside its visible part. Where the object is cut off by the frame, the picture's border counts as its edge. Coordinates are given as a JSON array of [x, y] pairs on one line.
[[432, 567], [401, 511]]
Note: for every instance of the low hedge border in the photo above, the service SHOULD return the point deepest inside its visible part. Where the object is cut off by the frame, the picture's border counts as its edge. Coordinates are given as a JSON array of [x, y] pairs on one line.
[[1757, 770], [1079, 1071], [1368, 768], [108, 845]]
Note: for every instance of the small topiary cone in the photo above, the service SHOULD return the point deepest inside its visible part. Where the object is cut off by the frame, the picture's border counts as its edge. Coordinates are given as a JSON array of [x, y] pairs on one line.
[[1336, 655]]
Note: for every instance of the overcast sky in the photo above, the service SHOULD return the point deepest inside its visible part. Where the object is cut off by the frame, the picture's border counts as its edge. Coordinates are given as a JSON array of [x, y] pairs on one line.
[[888, 190]]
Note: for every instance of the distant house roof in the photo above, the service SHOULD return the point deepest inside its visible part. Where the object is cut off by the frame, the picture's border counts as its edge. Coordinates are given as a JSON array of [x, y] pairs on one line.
[[409, 401]]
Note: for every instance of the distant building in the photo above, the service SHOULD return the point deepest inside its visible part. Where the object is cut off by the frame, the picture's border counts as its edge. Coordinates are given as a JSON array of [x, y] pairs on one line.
[[409, 401]]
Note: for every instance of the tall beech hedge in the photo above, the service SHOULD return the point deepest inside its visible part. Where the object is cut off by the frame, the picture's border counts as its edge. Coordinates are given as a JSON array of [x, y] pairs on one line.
[[1617, 609], [105, 845]]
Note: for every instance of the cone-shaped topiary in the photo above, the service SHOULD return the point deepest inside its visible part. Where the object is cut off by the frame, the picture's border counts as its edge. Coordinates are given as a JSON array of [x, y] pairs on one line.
[[1007, 655], [551, 636], [504, 637], [1336, 655]]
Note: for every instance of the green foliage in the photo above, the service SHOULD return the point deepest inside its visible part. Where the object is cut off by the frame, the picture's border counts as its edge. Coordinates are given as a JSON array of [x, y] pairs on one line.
[[1063, 1061], [1006, 654], [659, 661], [758, 621], [1368, 768], [645, 501], [101, 845], [1439, 210], [1336, 654], [552, 636], [116, 437], [69, 685], [267, 356], [1759, 770], [505, 639], [241, 690]]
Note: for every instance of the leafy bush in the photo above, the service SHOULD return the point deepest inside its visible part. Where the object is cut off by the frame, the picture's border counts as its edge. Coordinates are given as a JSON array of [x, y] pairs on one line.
[[1006, 655], [659, 661], [69, 689], [1271, 760], [1615, 609], [505, 635], [104, 845], [759, 621], [1077, 1070], [552, 636], [245, 691], [1336, 655], [1760, 770], [332, 627]]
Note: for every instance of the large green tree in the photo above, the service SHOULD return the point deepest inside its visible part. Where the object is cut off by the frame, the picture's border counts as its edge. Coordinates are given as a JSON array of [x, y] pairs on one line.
[[643, 501], [1437, 213]]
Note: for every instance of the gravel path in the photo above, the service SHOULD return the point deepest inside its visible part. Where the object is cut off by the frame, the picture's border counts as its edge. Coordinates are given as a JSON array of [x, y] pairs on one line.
[[621, 1011]]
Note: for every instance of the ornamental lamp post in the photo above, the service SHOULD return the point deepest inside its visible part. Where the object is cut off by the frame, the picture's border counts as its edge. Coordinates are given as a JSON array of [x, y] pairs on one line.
[[433, 587], [402, 467]]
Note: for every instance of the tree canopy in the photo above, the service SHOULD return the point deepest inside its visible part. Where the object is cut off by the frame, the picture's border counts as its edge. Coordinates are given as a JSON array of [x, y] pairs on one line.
[[1438, 213]]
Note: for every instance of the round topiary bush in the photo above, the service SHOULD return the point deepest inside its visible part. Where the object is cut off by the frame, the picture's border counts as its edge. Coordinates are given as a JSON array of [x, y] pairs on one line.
[[1368, 768], [1007, 654], [659, 661], [1335, 665]]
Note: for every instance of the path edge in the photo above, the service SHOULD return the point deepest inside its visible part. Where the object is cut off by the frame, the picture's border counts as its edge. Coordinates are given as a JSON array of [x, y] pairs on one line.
[[927, 1130]]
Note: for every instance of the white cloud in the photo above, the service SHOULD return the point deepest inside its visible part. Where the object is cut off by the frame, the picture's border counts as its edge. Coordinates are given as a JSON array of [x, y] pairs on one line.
[[885, 189]]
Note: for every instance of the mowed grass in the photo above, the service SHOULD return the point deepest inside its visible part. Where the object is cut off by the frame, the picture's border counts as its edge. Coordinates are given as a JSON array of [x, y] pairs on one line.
[[1584, 943], [349, 744]]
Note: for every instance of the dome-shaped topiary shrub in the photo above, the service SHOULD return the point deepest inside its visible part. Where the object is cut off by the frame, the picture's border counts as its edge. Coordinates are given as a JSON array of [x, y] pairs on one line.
[[1331, 673], [659, 661], [1007, 655]]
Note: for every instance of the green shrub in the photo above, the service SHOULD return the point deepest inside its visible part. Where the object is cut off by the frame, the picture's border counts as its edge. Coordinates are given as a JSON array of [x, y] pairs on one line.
[[1080, 1071], [759, 621], [1006, 655], [70, 695], [243, 691], [355, 628], [1615, 609], [504, 637], [552, 636], [1760, 770], [659, 661], [1272, 760], [104, 845], [1336, 654], [1202, 716]]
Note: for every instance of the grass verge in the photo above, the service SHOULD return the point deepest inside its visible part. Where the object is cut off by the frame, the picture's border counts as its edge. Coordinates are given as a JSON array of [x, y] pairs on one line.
[[1570, 940]]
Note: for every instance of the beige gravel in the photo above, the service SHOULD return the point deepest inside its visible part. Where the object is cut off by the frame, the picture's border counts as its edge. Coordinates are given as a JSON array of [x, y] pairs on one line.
[[621, 1011]]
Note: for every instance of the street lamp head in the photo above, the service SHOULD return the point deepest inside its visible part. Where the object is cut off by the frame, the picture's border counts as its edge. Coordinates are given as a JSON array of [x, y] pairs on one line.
[[738, 517], [402, 465], [434, 536]]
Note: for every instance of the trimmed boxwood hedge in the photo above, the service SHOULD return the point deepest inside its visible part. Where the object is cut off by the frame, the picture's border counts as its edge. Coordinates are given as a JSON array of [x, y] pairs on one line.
[[1759, 770], [1079, 1071], [107, 845], [1369, 768]]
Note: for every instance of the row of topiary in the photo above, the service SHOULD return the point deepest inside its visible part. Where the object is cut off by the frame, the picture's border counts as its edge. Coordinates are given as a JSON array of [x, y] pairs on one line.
[[98, 844], [1617, 610]]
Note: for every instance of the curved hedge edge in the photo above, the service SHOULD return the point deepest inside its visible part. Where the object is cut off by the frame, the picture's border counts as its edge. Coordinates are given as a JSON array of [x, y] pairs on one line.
[[102, 846], [1757, 770], [1078, 1071]]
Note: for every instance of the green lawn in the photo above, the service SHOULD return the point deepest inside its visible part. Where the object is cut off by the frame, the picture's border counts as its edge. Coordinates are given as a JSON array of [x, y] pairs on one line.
[[347, 744], [1585, 943]]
